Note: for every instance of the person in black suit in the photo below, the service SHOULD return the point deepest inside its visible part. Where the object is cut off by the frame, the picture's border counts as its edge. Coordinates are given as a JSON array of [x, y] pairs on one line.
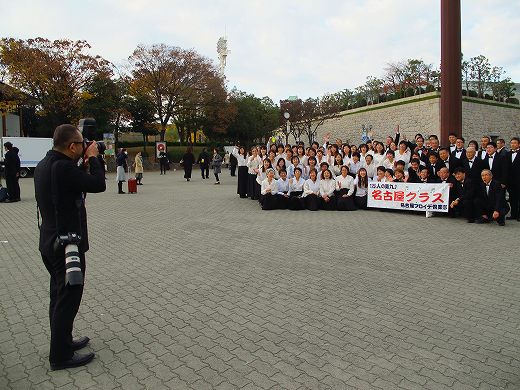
[[60, 187], [484, 141], [445, 177], [433, 164], [448, 161], [490, 201], [512, 160], [495, 163], [472, 165], [424, 176], [414, 171], [452, 138], [12, 172], [463, 194], [459, 152], [501, 147]]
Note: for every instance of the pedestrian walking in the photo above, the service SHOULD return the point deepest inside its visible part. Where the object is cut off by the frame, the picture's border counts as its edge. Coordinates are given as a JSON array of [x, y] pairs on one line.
[[138, 167], [203, 161], [122, 168], [12, 172], [163, 162], [187, 161], [216, 164]]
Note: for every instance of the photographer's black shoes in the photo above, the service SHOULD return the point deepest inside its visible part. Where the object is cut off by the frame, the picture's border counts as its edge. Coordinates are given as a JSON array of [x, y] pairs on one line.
[[76, 360], [80, 343]]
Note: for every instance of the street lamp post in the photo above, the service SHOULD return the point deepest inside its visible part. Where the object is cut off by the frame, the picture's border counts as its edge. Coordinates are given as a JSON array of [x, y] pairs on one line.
[[286, 115]]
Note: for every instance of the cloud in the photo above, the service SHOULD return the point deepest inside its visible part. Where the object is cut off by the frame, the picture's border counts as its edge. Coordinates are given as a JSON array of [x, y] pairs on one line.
[[278, 49]]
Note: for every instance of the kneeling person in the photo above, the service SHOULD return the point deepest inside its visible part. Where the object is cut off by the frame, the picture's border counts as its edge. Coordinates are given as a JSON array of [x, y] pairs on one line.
[[282, 197], [268, 191]]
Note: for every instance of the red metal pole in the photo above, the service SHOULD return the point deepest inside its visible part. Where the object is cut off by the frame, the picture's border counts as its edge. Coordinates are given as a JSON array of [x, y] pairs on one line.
[[451, 88]]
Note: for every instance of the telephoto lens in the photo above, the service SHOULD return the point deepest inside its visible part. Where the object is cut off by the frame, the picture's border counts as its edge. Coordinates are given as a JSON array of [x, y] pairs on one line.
[[73, 274]]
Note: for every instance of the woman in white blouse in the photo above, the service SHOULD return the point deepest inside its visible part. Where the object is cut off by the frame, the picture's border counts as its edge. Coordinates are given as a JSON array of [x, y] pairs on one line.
[[253, 166], [379, 154], [361, 184], [311, 191], [403, 154], [327, 188], [370, 166], [282, 196], [241, 156], [296, 190], [336, 167], [345, 191], [268, 191]]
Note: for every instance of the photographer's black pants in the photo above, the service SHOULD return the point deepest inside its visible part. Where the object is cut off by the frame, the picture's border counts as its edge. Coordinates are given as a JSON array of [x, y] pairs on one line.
[[64, 305], [13, 187]]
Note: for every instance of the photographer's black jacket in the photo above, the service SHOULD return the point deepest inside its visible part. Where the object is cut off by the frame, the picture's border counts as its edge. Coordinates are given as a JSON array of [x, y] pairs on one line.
[[69, 182]]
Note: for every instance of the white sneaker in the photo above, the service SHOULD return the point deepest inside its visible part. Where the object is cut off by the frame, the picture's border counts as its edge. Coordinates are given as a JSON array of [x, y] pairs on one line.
[[429, 214]]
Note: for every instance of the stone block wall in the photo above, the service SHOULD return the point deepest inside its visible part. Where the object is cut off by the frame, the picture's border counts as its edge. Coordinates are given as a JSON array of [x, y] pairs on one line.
[[421, 114]]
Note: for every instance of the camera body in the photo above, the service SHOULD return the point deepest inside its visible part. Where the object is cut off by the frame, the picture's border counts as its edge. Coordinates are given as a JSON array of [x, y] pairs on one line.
[[88, 128], [73, 273]]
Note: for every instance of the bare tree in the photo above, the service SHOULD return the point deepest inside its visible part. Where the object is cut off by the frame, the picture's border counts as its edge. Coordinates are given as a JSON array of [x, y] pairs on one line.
[[480, 73]]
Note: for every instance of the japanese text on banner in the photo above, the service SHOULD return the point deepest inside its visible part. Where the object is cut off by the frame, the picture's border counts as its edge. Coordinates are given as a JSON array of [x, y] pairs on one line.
[[409, 196]]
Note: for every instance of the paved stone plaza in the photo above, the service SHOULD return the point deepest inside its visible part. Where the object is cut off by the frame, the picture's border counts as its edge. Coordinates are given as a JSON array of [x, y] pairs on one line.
[[189, 286]]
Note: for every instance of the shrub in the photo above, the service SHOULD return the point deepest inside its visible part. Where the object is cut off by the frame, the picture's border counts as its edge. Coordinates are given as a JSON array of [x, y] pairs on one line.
[[512, 100], [473, 93]]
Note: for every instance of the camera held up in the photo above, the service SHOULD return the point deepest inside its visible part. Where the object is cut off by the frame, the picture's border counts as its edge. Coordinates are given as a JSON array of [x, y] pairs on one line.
[[88, 128]]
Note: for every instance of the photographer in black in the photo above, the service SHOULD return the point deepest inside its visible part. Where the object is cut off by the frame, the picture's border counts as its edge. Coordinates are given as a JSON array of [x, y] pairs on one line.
[[60, 188]]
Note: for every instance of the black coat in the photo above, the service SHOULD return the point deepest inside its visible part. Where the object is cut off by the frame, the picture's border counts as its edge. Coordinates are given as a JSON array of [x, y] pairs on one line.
[[495, 200], [498, 168], [453, 163], [462, 155], [513, 170], [70, 183], [464, 191], [188, 159], [474, 170], [438, 165], [12, 163], [204, 159]]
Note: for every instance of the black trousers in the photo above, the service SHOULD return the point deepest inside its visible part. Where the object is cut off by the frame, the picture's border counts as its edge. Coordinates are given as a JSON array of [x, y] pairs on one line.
[[330, 205], [64, 305], [361, 202], [187, 172], [204, 169], [312, 202], [13, 187], [485, 208], [345, 203], [216, 176], [514, 201], [242, 182], [268, 201], [163, 167], [296, 202], [233, 169]]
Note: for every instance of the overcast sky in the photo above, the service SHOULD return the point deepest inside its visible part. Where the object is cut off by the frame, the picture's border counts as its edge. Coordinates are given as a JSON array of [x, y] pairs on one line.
[[278, 48]]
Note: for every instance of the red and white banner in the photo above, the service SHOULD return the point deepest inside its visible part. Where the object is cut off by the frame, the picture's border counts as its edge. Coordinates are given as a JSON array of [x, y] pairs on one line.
[[409, 196]]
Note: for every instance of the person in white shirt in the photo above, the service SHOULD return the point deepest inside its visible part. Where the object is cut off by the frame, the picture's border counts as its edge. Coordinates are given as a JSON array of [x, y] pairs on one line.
[[327, 188], [355, 164], [296, 185], [253, 165], [361, 184], [345, 190], [241, 156], [379, 154], [308, 169], [370, 166], [279, 167], [380, 174], [320, 157], [295, 163], [336, 167], [301, 155], [403, 154], [282, 197], [389, 161], [311, 191], [268, 191]]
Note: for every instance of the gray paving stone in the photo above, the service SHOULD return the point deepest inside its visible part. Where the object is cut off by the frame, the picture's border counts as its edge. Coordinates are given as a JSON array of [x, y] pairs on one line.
[[181, 295]]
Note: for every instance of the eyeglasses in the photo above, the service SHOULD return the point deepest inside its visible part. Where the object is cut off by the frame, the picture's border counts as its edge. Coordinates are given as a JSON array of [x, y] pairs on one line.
[[78, 142]]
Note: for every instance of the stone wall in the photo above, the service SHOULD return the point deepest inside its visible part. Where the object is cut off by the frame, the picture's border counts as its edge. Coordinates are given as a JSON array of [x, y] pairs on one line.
[[421, 114]]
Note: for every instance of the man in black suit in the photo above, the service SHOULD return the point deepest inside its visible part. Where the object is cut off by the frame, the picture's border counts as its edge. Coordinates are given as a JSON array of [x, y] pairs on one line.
[[12, 172], [494, 163], [424, 176], [472, 165], [445, 177], [490, 201], [484, 141], [512, 160], [463, 194], [60, 188], [452, 138], [449, 162], [433, 164], [501, 147], [414, 171], [459, 152]]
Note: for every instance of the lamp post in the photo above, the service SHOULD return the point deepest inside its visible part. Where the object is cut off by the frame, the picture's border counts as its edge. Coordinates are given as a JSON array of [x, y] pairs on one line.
[[286, 115]]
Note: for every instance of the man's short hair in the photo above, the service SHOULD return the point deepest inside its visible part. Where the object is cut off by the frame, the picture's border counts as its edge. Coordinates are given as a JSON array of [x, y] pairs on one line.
[[445, 149], [515, 139], [400, 162], [458, 170], [501, 140], [452, 134], [461, 138], [492, 144], [415, 160], [64, 135], [8, 145]]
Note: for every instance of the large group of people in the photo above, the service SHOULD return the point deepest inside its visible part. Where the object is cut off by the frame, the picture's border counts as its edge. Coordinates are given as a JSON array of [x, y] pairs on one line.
[[335, 176]]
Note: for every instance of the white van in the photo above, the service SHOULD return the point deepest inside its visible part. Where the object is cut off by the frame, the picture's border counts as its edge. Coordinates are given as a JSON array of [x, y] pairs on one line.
[[32, 151]]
